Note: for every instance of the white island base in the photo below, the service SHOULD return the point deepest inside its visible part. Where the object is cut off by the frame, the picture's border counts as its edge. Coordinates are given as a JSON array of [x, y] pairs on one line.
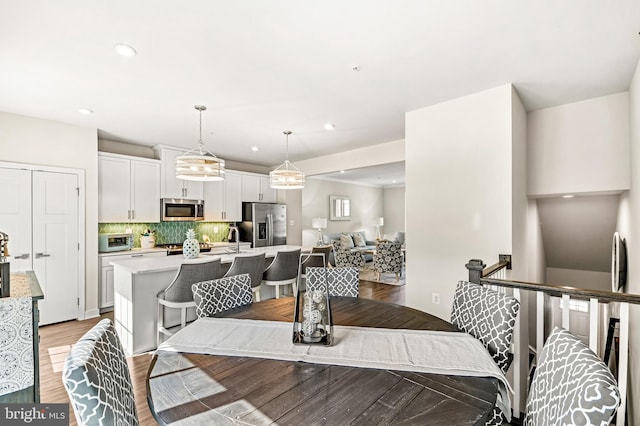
[[138, 281]]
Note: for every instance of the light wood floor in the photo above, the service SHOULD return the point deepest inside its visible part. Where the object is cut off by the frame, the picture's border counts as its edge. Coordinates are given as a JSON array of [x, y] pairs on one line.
[[56, 341]]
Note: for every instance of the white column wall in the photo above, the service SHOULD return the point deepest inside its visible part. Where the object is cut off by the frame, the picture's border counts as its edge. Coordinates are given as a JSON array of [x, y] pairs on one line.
[[459, 192], [581, 147]]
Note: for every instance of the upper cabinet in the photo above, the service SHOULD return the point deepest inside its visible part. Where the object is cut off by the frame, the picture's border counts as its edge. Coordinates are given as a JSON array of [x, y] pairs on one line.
[[172, 187], [128, 189], [222, 200], [256, 188]]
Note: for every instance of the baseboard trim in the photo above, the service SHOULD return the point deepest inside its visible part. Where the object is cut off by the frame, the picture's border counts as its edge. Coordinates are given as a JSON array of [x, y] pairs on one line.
[[93, 313]]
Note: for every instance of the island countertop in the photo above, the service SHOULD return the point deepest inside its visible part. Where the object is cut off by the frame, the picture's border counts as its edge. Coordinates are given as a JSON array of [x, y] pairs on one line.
[[144, 265]]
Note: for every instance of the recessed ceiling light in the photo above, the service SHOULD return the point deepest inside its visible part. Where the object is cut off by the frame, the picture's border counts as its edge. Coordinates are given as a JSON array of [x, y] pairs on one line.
[[85, 111], [124, 50], [255, 149], [568, 196], [329, 126], [393, 181], [341, 171]]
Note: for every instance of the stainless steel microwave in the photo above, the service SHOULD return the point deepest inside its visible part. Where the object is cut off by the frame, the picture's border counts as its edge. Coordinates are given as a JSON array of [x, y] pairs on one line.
[[179, 209]]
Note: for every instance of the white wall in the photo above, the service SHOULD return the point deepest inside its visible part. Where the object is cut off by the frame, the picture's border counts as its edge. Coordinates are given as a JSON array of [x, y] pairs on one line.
[[43, 142], [591, 280], [393, 211], [580, 147], [633, 248], [458, 207], [366, 204]]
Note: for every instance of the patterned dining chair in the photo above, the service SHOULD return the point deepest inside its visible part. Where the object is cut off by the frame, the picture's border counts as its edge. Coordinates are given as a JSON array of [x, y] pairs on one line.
[[388, 258], [571, 385], [215, 296], [97, 379], [347, 258], [178, 294], [342, 281], [487, 315]]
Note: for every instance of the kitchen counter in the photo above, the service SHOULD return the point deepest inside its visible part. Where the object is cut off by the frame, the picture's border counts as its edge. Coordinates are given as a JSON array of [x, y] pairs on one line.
[[133, 251], [137, 281]]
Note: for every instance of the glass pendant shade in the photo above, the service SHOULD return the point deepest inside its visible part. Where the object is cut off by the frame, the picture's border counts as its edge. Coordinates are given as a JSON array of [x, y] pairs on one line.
[[286, 176], [199, 164]]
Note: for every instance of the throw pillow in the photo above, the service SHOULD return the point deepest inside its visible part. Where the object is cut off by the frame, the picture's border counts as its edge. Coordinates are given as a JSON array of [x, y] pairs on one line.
[[346, 241], [358, 240]]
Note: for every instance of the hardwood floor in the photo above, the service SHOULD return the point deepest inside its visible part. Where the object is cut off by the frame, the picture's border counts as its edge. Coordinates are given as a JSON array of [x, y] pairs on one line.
[[56, 341]]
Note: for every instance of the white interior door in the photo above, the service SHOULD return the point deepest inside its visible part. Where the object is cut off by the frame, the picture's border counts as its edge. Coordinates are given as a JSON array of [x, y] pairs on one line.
[[15, 216], [55, 244]]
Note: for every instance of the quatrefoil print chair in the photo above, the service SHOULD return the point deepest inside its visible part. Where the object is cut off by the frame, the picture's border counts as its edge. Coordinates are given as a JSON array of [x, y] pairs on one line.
[[342, 281], [347, 258], [215, 296], [571, 385], [487, 315], [388, 259], [96, 377]]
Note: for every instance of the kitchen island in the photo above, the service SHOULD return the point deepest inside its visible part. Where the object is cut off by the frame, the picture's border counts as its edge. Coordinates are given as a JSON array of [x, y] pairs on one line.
[[138, 280]]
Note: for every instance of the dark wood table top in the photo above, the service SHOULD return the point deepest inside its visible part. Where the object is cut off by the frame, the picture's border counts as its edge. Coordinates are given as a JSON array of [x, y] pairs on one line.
[[209, 389]]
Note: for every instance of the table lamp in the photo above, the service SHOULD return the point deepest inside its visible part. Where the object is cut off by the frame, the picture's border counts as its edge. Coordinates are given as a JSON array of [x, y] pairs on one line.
[[379, 221], [319, 223]]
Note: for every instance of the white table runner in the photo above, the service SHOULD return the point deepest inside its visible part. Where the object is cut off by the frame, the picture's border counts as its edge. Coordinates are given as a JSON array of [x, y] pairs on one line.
[[424, 351]]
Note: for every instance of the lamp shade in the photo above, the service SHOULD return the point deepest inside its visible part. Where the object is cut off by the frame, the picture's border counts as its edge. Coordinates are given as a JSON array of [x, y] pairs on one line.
[[319, 222]]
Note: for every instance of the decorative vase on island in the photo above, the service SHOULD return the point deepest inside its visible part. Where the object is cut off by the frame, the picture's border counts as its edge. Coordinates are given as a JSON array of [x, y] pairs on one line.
[[191, 246]]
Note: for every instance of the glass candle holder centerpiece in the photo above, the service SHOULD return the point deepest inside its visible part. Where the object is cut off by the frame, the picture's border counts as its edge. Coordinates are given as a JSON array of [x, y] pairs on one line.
[[312, 318]]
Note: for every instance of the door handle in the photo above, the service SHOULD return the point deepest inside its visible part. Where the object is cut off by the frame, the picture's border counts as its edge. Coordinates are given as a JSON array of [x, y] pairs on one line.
[[39, 255], [22, 256]]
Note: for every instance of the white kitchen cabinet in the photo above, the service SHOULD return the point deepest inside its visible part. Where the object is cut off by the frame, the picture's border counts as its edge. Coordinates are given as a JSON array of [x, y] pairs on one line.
[[255, 188], [171, 186], [128, 189], [222, 200], [105, 282]]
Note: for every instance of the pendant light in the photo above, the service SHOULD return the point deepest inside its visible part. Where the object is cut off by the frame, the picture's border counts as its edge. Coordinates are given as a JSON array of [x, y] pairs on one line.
[[287, 176], [198, 163]]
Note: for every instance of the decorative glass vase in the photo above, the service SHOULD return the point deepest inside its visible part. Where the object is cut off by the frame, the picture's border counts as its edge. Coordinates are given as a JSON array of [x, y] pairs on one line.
[[191, 246], [312, 322]]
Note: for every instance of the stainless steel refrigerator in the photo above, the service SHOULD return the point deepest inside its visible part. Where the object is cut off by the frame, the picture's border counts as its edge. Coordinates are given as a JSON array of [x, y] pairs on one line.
[[264, 224]]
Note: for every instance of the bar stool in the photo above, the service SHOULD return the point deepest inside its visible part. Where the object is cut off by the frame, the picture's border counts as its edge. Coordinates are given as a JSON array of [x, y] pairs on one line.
[[252, 265], [283, 271]]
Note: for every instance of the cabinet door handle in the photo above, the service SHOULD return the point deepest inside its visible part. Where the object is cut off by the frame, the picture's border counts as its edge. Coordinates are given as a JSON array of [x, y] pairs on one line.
[[22, 256], [133, 214], [137, 255], [39, 255]]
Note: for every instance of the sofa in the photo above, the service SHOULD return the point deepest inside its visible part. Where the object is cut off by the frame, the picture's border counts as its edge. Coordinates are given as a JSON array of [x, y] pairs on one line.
[[354, 242]]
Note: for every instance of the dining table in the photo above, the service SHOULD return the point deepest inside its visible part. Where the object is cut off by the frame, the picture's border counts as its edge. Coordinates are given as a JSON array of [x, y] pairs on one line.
[[196, 388]]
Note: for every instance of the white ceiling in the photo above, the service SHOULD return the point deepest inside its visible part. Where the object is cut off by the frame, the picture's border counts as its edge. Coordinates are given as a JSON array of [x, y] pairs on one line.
[[262, 67], [383, 175]]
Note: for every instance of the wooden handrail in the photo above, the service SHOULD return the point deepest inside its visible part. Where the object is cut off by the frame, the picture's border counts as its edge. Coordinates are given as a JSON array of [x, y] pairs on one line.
[[557, 290]]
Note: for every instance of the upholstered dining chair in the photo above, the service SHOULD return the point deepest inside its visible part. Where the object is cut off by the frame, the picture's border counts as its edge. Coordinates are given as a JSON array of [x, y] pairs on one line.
[[97, 379], [178, 294], [215, 296], [252, 265], [388, 258], [319, 257], [341, 281], [571, 385], [347, 258], [283, 271], [487, 315]]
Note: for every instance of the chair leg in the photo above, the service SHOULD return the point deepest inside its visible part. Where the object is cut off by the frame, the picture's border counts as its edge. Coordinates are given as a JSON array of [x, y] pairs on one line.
[[160, 324], [256, 294], [277, 291], [183, 317], [397, 277], [294, 287]]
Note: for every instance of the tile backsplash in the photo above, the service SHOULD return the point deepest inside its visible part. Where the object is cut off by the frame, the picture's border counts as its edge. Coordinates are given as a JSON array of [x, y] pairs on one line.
[[170, 232]]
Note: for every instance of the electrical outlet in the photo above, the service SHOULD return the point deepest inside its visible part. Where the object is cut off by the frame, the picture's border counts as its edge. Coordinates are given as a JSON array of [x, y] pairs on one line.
[[215, 229], [435, 298]]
